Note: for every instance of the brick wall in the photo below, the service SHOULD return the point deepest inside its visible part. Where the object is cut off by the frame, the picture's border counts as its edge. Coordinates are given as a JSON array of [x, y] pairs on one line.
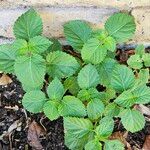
[[56, 12]]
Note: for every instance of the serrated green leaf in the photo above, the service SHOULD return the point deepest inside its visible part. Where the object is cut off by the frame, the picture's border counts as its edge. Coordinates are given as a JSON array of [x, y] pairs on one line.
[[79, 127], [132, 120], [95, 109], [122, 78], [93, 51], [93, 145], [72, 106], [7, 58], [88, 77], [142, 94], [88, 94], [121, 27], [126, 99], [137, 95], [39, 44], [61, 65], [77, 32], [51, 110], [113, 145], [78, 132], [135, 62], [105, 69], [105, 128], [30, 70], [74, 143], [143, 76], [111, 110], [55, 46], [71, 84], [34, 101], [28, 25], [55, 90], [140, 49], [146, 59]]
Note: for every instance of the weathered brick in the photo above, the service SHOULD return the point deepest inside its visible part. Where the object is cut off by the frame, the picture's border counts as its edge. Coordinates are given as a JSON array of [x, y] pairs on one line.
[[142, 17], [124, 4], [55, 17]]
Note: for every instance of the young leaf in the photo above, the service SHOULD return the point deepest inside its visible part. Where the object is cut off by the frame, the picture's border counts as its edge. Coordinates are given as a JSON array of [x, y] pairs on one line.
[[146, 59], [77, 33], [55, 90], [140, 49], [135, 62], [132, 120], [21, 46], [93, 145], [51, 110], [39, 44], [105, 128], [71, 84], [88, 77], [143, 76], [79, 127], [72, 106], [111, 110], [113, 145], [33, 101], [122, 78], [95, 109], [61, 65], [105, 69], [103, 37], [89, 94], [28, 25], [120, 26], [93, 51], [110, 44], [30, 70], [7, 58]]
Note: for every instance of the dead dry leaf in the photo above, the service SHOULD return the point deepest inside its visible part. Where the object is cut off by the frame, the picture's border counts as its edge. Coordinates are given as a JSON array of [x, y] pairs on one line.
[[34, 132], [146, 145], [5, 79], [143, 109]]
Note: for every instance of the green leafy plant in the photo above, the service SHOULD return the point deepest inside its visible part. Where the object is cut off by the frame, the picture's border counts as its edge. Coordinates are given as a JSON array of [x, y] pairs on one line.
[[90, 91]]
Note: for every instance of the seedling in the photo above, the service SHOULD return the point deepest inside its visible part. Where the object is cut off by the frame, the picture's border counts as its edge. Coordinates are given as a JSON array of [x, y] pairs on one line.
[[74, 90]]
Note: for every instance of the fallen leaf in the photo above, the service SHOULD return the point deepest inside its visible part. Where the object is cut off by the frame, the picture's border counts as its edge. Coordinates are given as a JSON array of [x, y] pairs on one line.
[[15, 125], [146, 145], [143, 109], [5, 79], [34, 132], [121, 136]]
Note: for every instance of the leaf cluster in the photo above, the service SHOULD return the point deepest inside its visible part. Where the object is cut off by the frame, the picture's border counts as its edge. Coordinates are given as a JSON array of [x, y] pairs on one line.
[[76, 87]]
